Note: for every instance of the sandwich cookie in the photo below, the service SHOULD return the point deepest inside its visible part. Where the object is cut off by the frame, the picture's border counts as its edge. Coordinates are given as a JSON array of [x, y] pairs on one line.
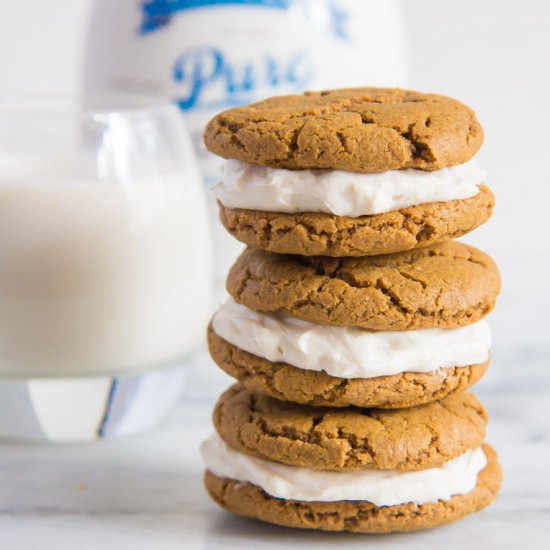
[[350, 172], [354, 469]]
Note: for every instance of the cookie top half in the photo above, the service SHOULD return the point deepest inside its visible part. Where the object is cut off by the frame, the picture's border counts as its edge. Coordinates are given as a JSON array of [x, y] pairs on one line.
[[359, 130], [350, 439], [444, 285]]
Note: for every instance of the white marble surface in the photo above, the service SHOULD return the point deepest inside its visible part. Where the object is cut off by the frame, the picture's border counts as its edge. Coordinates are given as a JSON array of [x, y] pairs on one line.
[[146, 492]]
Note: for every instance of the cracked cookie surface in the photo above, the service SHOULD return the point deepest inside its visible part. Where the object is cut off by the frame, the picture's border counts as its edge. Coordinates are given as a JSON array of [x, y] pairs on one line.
[[350, 439], [249, 500], [445, 285], [360, 130], [288, 383], [318, 234]]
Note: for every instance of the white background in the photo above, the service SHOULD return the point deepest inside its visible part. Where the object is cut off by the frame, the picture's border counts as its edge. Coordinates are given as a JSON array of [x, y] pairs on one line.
[[495, 56]]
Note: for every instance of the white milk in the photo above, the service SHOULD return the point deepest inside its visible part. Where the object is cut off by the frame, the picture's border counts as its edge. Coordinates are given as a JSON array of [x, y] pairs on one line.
[[100, 276]]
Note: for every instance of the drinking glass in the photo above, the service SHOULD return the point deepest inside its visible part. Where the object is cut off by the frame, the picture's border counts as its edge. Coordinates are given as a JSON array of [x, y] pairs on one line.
[[105, 264]]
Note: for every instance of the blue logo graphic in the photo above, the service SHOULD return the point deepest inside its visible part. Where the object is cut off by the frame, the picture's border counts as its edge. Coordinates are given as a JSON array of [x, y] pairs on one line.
[[206, 71], [158, 13]]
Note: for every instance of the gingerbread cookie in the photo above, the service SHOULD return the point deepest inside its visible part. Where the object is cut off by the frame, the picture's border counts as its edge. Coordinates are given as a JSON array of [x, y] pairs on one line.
[[314, 387], [445, 285], [247, 499], [350, 439], [358, 130], [318, 233]]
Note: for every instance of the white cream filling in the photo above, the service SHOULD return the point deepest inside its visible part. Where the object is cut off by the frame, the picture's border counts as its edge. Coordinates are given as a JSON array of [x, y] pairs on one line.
[[381, 487], [350, 352], [340, 192]]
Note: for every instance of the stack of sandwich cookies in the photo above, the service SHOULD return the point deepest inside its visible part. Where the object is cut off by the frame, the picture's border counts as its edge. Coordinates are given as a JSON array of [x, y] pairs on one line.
[[352, 300]]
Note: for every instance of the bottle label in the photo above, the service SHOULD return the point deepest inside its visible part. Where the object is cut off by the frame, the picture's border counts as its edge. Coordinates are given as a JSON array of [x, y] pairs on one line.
[[216, 73]]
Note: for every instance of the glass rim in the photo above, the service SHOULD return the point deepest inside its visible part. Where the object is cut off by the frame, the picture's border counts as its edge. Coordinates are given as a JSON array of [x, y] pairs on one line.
[[82, 103]]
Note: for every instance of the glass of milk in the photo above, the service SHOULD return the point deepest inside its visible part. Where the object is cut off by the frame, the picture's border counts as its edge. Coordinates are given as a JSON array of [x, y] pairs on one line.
[[105, 264]]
